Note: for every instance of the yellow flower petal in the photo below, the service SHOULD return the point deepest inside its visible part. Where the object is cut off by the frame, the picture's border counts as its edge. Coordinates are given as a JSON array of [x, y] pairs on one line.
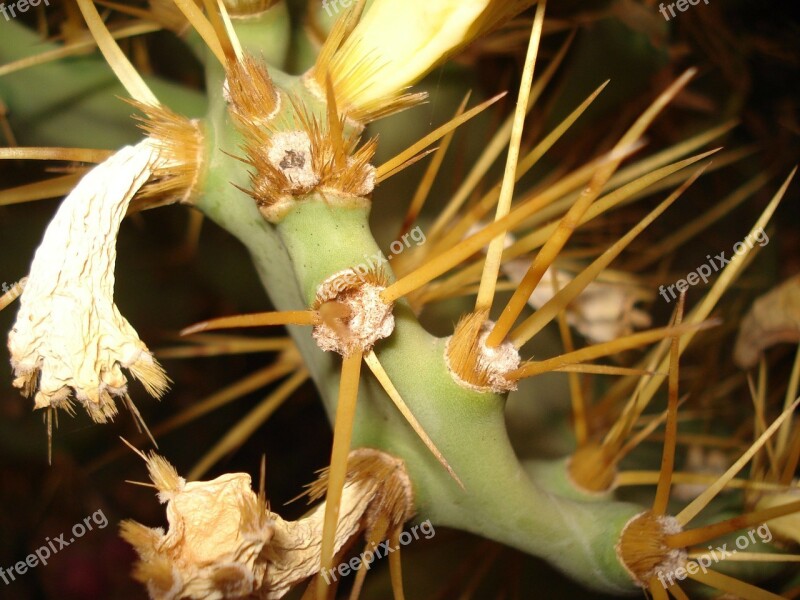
[[393, 46]]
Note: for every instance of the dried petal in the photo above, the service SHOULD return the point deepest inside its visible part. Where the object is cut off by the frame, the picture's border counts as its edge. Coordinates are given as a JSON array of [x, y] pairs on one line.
[[774, 318], [223, 541], [602, 312], [69, 336]]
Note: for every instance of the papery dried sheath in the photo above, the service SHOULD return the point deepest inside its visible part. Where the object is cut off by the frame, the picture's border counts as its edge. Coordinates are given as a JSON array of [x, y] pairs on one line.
[[224, 542], [774, 318], [69, 337]]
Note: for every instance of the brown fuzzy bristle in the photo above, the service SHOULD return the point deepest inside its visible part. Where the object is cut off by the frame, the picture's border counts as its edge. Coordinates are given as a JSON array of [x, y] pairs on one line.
[[593, 468], [137, 535], [394, 496], [233, 581], [180, 143], [159, 576], [342, 166], [462, 350], [252, 98], [347, 282], [474, 365], [297, 154], [642, 548], [151, 569], [163, 475]]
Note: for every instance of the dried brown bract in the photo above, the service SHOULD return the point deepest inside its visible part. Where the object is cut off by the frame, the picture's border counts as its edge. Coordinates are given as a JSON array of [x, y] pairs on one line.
[[773, 319], [224, 542]]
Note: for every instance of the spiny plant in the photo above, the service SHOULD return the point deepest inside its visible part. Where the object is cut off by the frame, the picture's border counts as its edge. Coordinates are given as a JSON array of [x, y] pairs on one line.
[[285, 163]]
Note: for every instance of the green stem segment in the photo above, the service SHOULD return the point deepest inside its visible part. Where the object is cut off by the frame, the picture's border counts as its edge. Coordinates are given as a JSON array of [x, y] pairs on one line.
[[499, 501]]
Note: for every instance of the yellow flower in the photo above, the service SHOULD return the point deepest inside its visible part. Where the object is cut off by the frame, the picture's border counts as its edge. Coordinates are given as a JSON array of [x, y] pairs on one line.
[[395, 44]]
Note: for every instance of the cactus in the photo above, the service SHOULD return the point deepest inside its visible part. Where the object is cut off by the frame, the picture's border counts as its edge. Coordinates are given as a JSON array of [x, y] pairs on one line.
[[285, 163]]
